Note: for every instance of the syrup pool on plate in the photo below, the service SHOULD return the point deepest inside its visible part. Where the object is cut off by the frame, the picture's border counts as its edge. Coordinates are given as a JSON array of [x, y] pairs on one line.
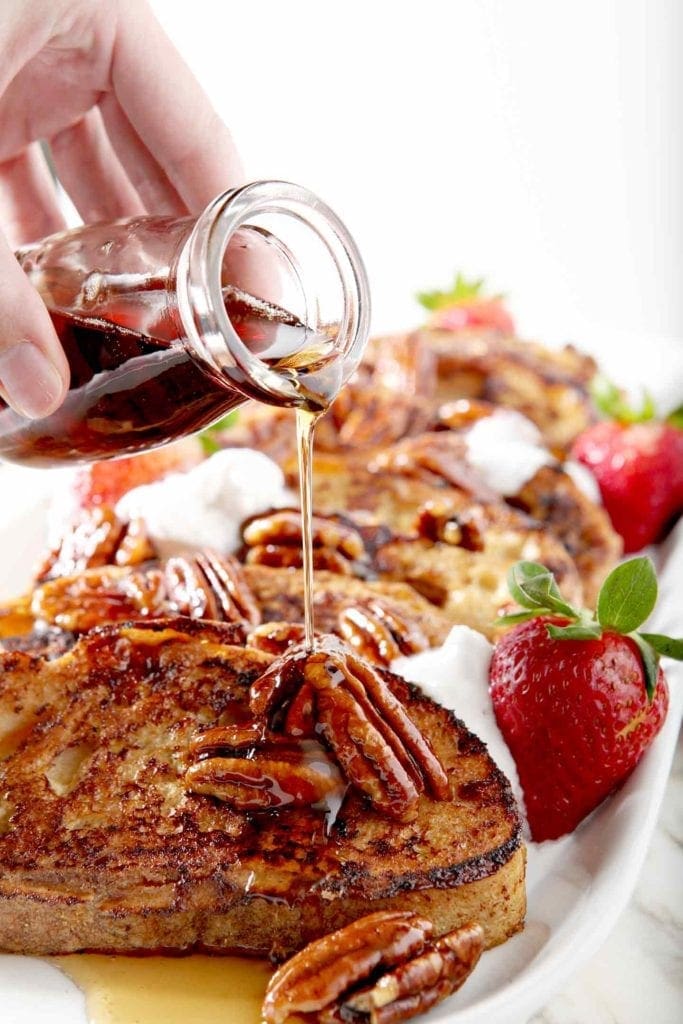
[[168, 990]]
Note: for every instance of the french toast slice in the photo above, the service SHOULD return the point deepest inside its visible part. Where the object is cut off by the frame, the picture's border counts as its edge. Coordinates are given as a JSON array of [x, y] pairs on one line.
[[102, 847], [549, 386]]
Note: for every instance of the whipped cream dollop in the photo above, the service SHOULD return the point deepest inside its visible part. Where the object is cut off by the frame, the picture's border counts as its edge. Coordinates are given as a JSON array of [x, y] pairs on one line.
[[205, 506], [584, 480], [456, 675], [507, 450]]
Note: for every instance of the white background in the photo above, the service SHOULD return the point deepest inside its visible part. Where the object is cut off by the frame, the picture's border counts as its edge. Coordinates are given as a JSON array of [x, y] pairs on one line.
[[533, 142]]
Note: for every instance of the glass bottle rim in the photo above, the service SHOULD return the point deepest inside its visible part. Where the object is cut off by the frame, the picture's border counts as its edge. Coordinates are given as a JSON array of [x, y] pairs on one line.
[[200, 290]]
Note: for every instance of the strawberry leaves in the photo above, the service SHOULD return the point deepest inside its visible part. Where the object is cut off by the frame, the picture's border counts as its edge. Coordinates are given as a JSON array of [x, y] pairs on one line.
[[627, 596], [612, 403], [534, 587], [461, 291], [625, 601]]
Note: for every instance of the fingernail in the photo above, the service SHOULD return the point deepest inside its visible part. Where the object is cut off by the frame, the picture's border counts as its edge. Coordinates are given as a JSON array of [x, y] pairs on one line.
[[30, 381]]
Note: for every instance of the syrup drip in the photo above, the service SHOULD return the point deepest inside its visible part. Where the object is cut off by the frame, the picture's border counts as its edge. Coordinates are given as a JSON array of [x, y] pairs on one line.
[[305, 429]]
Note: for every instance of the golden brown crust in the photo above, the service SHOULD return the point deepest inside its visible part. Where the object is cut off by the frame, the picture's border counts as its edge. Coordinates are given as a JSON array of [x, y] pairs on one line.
[[279, 593], [552, 498], [102, 847], [466, 582], [549, 386]]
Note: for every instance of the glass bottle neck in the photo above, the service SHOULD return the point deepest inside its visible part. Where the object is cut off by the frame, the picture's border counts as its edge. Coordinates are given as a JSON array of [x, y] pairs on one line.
[[274, 252]]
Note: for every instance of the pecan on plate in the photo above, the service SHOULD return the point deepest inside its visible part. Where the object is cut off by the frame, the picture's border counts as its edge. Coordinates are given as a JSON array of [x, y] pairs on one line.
[[97, 538], [331, 693], [382, 969], [378, 632], [274, 539]]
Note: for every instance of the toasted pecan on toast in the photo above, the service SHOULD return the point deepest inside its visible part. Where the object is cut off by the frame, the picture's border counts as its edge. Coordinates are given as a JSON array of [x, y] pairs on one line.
[[102, 846]]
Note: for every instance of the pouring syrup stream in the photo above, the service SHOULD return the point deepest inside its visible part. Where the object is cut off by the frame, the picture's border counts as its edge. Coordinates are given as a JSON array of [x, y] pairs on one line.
[[305, 429]]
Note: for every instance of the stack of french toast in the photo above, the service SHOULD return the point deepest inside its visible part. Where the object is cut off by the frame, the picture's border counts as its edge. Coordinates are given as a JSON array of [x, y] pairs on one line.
[[132, 685]]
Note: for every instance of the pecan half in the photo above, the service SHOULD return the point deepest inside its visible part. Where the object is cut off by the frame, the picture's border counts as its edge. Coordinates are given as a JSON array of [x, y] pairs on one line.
[[416, 985], [323, 971], [201, 586], [229, 586], [377, 632], [276, 637], [465, 529], [275, 540], [326, 670], [95, 596], [328, 694], [270, 776], [98, 538], [135, 545], [331, 691], [408, 973], [367, 760]]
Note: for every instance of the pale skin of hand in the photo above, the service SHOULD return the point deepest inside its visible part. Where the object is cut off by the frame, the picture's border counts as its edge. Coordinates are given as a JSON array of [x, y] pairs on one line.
[[130, 132]]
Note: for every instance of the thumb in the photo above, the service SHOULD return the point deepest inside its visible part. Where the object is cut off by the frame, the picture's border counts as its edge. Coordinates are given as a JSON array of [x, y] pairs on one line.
[[34, 373]]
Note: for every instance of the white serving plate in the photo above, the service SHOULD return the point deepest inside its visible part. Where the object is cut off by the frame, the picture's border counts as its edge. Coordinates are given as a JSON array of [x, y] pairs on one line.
[[577, 887]]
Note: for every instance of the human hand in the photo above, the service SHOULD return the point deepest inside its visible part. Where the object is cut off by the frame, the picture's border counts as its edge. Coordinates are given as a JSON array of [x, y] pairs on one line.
[[130, 131]]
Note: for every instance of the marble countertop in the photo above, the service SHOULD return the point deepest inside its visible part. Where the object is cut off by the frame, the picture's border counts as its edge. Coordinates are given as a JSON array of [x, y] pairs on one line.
[[638, 974]]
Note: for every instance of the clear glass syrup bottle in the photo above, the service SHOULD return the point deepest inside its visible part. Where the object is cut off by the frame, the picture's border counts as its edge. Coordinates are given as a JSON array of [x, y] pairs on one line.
[[169, 323]]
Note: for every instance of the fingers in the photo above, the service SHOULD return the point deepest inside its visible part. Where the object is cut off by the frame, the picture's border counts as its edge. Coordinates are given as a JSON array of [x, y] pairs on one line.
[[34, 373], [91, 172], [146, 176], [28, 200], [169, 111]]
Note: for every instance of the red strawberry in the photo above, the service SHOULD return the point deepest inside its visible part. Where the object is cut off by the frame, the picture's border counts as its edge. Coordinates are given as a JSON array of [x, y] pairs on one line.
[[575, 716], [638, 464], [103, 483], [465, 307], [577, 701]]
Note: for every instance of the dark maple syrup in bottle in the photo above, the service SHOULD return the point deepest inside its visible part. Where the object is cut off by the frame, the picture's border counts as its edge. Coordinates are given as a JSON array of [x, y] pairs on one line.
[[169, 323]]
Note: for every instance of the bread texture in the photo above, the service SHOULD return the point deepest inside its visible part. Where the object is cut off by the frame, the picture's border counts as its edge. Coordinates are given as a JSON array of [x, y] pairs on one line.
[[102, 847]]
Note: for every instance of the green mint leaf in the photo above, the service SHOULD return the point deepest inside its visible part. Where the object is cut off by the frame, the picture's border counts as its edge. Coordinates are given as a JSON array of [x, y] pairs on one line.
[[650, 660], [671, 647], [675, 418], [579, 631], [628, 595], [515, 617], [207, 438], [461, 291], [612, 402], [534, 587]]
